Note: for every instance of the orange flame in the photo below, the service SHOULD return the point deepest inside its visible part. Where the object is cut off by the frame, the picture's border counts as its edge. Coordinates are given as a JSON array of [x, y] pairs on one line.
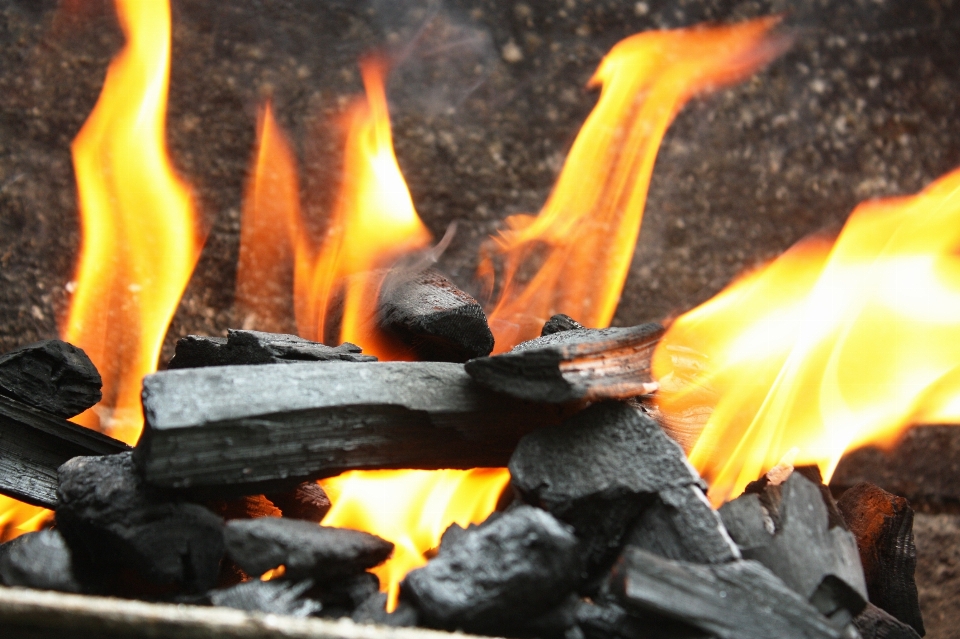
[[411, 508], [139, 243], [374, 223], [584, 238], [18, 518], [828, 348]]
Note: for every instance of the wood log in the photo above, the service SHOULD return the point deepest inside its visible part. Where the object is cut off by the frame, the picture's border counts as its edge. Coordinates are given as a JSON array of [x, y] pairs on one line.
[[256, 347], [428, 313], [34, 444], [51, 375], [579, 364], [260, 429]]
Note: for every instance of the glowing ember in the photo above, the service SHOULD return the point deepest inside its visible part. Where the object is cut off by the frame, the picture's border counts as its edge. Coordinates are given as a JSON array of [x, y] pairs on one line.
[[828, 348], [412, 509], [139, 243], [584, 238], [17, 518]]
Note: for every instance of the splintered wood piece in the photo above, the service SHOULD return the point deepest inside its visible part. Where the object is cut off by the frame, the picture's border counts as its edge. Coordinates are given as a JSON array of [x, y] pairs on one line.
[[261, 429], [578, 364], [883, 525], [51, 375], [256, 347], [428, 313], [34, 444]]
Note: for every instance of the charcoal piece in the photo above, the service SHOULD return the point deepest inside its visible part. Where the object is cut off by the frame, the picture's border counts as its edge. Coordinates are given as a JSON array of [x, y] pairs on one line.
[[374, 610], [436, 319], [734, 600], [560, 622], [817, 561], [606, 620], [34, 444], [580, 364], [875, 623], [682, 525], [248, 507], [597, 472], [261, 429], [346, 593], [255, 347], [498, 575], [110, 519], [883, 526], [51, 375], [303, 548], [307, 501], [277, 596], [559, 323], [38, 560]]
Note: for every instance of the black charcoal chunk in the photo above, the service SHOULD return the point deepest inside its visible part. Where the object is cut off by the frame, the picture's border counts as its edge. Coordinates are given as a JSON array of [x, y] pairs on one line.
[[735, 600], [875, 623], [559, 323], [428, 313], [498, 575], [109, 518], [51, 375], [38, 560], [597, 472], [682, 525], [34, 444], [256, 347], [303, 548], [883, 526], [374, 610], [609, 620], [277, 596], [560, 622], [307, 501], [579, 364], [344, 595]]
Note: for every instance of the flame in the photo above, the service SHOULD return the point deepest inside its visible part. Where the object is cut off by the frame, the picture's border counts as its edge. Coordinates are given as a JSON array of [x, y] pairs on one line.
[[373, 224], [411, 508], [583, 240], [18, 518], [139, 244], [828, 347]]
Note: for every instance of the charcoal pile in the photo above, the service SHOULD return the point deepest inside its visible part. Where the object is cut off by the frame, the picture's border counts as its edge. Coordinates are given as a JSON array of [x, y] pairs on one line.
[[608, 531]]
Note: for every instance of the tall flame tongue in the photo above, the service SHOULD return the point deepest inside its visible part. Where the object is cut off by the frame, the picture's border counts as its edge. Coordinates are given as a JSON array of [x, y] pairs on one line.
[[582, 242], [826, 348], [139, 244]]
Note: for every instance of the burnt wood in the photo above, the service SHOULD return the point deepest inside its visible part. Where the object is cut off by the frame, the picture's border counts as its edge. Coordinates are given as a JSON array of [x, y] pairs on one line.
[[883, 526], [51, 375], [578, 364], [38, 560], [253, 429], [428, 313], [736, 600], [875, 623], [559, 323], [256, 347], [34, 444], [307, 501]]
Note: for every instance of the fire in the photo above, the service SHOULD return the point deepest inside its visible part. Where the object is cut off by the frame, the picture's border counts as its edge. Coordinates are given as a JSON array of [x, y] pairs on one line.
[[411, 508], [583, 240], [139, 242], [828, 347], [17, 518]]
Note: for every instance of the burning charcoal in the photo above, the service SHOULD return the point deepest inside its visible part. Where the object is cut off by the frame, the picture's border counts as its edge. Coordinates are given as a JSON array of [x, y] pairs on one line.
[[434, 317], [277, 596], [682, 525], [51, 375], [579, 364], [597, 472], [34, 444], [308, 501], [38, 560], [735, 600], [374, 610], [874, 623], [110, 519], [787, 529], [303, 548], [249, 507], [258, 429], [255, 347], [559, 323], [608, 620], [883, 526], [498, 575]]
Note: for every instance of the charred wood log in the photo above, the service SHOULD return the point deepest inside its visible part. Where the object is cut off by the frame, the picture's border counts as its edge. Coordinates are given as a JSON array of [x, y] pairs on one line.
[[34, 444], [883, 526], [307, 501], [875, 623], [256, 347], [254, 429], [51, 375], [579, 364], [38, 560], [559, 323], [428, 313]]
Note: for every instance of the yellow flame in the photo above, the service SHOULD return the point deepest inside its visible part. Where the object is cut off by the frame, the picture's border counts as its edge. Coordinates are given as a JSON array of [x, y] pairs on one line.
[[18, 518]]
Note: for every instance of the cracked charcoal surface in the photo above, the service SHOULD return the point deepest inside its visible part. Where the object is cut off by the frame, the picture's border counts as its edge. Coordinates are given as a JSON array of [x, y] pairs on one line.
[[51, 375], [38, 560]]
